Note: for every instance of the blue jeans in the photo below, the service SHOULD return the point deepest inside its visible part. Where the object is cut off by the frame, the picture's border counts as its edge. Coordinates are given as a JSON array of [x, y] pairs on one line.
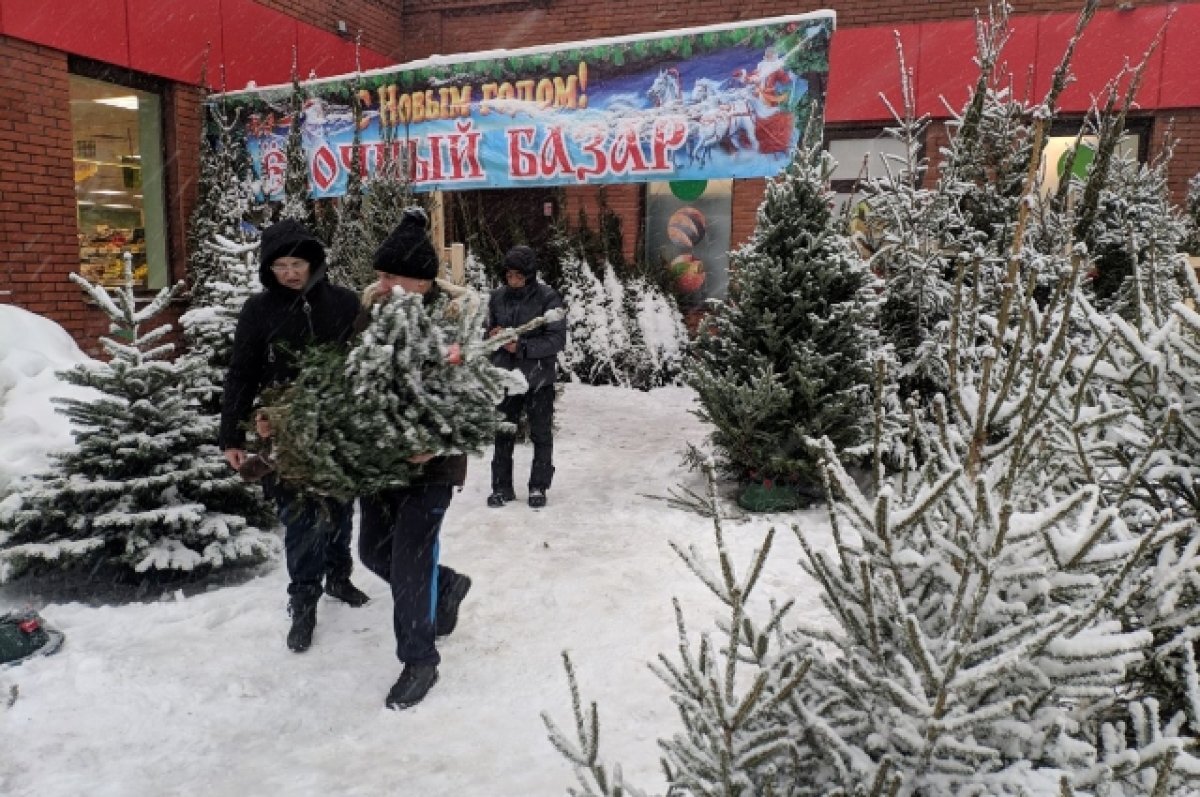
[[316, 538]]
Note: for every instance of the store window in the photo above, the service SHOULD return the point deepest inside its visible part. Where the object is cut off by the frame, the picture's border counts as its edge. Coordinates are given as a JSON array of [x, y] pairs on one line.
[[119, 194], [861, 156]]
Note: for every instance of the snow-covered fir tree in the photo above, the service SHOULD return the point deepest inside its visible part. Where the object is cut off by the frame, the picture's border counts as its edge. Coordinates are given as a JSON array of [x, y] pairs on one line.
[[1137, 240], [788, 356], [1191, 216], [145, 489], [297, 193], [225, 199], [388, 192], [907, 221], [620, 337], [419, 380], [352, 249], [619, 332], [588, 356], [210, 320], [476, 275], [658, 335]]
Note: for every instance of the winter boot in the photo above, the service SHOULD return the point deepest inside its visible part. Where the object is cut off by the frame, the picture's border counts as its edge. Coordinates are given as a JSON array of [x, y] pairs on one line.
[[449, 600], [414, 683], [537, 497], [303, 609], [501, 497], [343, 590]]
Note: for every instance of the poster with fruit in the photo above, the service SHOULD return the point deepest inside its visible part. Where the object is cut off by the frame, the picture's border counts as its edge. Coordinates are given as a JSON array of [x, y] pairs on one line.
[[687, 233]]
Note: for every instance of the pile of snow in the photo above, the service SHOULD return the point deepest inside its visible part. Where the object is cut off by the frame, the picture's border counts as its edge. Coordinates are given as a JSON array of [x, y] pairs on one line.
[[32, 350]]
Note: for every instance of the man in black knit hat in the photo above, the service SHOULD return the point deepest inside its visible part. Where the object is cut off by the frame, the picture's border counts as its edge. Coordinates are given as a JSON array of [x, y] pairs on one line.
[[296, 309], [521, 299], [399, 529]]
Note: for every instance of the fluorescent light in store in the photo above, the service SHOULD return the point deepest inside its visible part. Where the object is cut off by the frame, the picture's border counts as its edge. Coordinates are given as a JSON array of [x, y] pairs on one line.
[[107, 192], [129, 102], [121, 205]]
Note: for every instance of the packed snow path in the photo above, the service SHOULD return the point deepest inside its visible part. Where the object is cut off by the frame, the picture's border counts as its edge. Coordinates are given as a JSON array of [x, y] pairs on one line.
[[198, 695]]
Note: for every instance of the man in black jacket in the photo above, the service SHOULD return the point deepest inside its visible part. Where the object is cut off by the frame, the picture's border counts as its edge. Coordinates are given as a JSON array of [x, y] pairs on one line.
[[298, 308], [522, 298]]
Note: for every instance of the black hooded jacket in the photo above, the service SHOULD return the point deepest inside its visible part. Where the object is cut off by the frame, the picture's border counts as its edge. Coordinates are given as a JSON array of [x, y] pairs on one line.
[[279, 323], [537, 350]]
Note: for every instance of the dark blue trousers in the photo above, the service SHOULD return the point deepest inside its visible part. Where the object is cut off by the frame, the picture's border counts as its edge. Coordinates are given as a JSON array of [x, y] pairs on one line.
[[398, 541], [316, 539]]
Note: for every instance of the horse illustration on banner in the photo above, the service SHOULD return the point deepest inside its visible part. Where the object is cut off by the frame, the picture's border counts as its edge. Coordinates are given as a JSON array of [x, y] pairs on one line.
[[745, 112]]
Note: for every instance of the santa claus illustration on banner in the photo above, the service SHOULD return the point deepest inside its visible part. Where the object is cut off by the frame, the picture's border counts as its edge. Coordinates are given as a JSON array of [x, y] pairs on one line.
[[771, 85]]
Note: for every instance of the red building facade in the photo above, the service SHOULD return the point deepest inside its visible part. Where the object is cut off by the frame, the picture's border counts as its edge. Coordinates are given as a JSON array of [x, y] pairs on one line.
[[60, 60]]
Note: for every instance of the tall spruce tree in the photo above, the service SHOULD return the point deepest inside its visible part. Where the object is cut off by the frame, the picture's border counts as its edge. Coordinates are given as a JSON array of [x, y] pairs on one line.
[[786, 359], [211, 318], [145, 489], [352, 249], [297, 193]]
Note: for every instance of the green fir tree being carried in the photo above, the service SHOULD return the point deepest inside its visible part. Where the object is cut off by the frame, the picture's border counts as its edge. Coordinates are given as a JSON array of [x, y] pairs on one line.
[[418, 381]]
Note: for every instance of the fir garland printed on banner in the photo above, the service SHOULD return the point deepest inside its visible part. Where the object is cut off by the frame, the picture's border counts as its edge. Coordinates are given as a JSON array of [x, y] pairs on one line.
[[418, 381], [145, 489]]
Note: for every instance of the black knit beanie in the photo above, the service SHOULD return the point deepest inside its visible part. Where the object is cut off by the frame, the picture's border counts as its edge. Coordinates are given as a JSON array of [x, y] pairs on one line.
[[407, 252], [522, 259]]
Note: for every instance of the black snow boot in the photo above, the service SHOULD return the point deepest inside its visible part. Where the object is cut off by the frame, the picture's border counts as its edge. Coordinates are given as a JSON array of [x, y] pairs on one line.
[[449, 599], [303, 609], [413, 684], [537, 497], [343, 590], [501, 497]]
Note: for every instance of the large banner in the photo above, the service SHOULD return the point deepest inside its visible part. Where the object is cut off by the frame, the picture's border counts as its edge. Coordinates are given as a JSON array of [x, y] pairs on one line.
[[712, 102]]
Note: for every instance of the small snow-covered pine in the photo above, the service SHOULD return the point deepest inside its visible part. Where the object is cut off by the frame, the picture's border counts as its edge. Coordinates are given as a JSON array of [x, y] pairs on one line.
[[145, 489]]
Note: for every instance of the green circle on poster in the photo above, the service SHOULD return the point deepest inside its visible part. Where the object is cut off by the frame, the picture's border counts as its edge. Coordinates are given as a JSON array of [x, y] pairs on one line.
[[688, 190], [1083, 160]]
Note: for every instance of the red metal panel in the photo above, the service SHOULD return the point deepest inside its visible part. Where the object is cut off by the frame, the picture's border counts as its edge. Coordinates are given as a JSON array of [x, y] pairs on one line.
[[169, 38], [946, 71], [258, 44], [1111, 39], [323, 53], [95, 29], [1178, 86], [373, 60], [864, 63]]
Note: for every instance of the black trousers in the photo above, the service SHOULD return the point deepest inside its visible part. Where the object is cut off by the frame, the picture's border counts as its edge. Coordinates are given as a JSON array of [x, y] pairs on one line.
[[538, 405], [398, 541], [316, 540]]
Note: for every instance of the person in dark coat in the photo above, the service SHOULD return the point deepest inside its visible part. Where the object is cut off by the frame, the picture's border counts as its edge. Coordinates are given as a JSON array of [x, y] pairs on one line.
[[522, 298], [296, 309], [399, 529]]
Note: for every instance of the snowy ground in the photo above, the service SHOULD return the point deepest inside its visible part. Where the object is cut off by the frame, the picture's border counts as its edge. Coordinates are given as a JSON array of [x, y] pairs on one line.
[[197, 695]]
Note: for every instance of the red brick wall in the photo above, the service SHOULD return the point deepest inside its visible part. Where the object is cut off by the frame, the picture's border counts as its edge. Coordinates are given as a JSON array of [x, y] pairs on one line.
[[1184, 126], [379, 20], [38, 233]]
